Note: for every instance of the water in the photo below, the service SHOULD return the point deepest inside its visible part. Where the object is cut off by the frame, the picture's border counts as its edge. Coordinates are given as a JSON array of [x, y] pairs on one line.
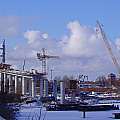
[[32, 112]]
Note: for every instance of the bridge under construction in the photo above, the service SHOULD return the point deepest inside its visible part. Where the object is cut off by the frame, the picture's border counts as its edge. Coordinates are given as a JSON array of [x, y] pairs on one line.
[[31, 83], [22, 82]]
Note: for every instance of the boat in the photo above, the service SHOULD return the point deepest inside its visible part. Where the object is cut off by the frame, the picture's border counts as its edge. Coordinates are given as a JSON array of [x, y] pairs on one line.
[[81, 107], [98, 107], [61, 107]]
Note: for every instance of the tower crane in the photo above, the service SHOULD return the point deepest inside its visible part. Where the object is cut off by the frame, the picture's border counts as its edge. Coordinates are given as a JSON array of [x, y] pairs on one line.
[[43, 58], [107, 44]]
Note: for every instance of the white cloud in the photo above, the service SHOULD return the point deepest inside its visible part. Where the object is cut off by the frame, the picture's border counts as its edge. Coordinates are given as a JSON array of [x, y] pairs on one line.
[[45, 35], [38, 40], [80, 51], [32, 36], [82, 41], [91, 55]]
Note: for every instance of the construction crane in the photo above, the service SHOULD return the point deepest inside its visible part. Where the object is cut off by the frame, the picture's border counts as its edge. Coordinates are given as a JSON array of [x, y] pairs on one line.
[[43, 58], [3, 51], [107, 44]]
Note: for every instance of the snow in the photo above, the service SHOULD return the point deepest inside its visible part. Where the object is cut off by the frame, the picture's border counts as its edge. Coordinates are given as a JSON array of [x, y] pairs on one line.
[[32, 112]]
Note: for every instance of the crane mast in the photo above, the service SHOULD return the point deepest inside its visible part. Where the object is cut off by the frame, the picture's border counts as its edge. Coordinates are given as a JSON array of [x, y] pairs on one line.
[[107, 44], [43, 58]]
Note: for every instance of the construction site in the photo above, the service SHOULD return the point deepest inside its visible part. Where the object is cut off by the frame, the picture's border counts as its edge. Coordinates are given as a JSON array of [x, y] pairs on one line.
[[35, 84], [61, 94]]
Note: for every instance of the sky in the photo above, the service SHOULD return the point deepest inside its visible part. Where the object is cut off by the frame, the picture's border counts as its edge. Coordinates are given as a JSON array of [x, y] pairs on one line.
[[65, 28]]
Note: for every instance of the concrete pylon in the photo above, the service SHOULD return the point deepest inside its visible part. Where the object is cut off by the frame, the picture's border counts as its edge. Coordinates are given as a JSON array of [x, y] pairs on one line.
[[55, 89], [33, 88], [2, 82], [62, 91], [45, 89], [23, 86], [41, 87], [7, 83], [10, 83], [4, 78], [16, 83]]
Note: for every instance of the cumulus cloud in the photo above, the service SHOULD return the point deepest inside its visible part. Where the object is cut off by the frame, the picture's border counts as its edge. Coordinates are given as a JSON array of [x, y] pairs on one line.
[[82, 41], [80, 51], [32, 36], [37, 40]]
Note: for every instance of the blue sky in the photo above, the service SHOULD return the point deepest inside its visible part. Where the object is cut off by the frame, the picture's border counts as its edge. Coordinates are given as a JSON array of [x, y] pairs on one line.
[[60, 18], [53, 15]]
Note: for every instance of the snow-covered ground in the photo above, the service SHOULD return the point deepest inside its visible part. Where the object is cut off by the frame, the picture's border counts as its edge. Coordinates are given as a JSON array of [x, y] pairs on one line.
[[33, 112], [1, 118]]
